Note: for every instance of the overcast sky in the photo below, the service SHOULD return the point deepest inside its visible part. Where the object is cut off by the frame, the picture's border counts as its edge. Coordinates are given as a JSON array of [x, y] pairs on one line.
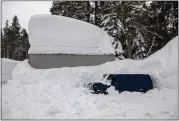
[[23, 10]]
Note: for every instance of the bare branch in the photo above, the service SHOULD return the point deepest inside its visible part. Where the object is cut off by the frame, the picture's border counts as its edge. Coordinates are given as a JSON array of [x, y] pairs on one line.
[[152, 32], [151, 46], [148, 30]]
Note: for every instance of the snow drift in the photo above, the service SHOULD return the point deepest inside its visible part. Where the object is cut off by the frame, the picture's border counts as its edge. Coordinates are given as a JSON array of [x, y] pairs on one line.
[[61, 93], [7, 67], [50, 34]]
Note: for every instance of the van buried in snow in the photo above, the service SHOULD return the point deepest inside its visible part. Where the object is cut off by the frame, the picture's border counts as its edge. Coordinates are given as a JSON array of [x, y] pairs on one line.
[[123, 82]]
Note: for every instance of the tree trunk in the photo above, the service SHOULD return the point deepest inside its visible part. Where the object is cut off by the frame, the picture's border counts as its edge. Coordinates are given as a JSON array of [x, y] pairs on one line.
[[88, 11], [129, 49], [26, 54], [7, 53], [12, 52], [19, 57], [95, 13]]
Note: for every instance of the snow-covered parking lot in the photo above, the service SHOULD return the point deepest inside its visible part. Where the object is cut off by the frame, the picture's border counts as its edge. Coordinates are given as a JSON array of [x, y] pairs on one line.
[[60, 93]]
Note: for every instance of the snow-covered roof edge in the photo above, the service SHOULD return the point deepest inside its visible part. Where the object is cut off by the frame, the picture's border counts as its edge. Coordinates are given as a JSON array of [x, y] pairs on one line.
[[107, 48], [71, 54]]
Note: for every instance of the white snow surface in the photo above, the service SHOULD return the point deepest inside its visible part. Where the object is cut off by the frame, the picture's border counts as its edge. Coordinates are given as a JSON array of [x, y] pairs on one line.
[[7, 68], [60, 93], [50, 34]]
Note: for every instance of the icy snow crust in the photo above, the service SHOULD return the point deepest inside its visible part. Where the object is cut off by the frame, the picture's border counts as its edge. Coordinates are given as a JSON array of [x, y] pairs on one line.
[[51, 34], [61, 93]]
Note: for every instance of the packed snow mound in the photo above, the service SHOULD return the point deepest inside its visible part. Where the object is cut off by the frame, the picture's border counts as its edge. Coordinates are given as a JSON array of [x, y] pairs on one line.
[[7, 66], [168, 55], [57, 34], [61, 93]]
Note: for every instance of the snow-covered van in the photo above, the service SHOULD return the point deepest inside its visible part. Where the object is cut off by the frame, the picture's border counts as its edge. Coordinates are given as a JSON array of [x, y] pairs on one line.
[[58, 41]]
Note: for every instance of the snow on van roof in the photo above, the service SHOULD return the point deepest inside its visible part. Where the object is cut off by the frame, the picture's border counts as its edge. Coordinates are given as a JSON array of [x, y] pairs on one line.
[[52, 34]]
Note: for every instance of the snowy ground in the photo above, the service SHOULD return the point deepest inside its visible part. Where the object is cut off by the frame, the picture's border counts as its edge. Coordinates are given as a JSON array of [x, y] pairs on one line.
[[60, 93]]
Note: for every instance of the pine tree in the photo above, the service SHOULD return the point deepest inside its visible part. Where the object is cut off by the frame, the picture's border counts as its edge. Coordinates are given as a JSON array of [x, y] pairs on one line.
[[25, 45], [14, 38], [99, 8], [138, 29], [5, 40], [15, 42], [74, 9], [3, 50], [162, 22], [119, 22]]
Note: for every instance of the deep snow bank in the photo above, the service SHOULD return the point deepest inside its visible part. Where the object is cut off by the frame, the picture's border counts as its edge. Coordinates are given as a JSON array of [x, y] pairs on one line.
[[58, 34], [7, 68], [168, 55], [60, 93], [166, 63]]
